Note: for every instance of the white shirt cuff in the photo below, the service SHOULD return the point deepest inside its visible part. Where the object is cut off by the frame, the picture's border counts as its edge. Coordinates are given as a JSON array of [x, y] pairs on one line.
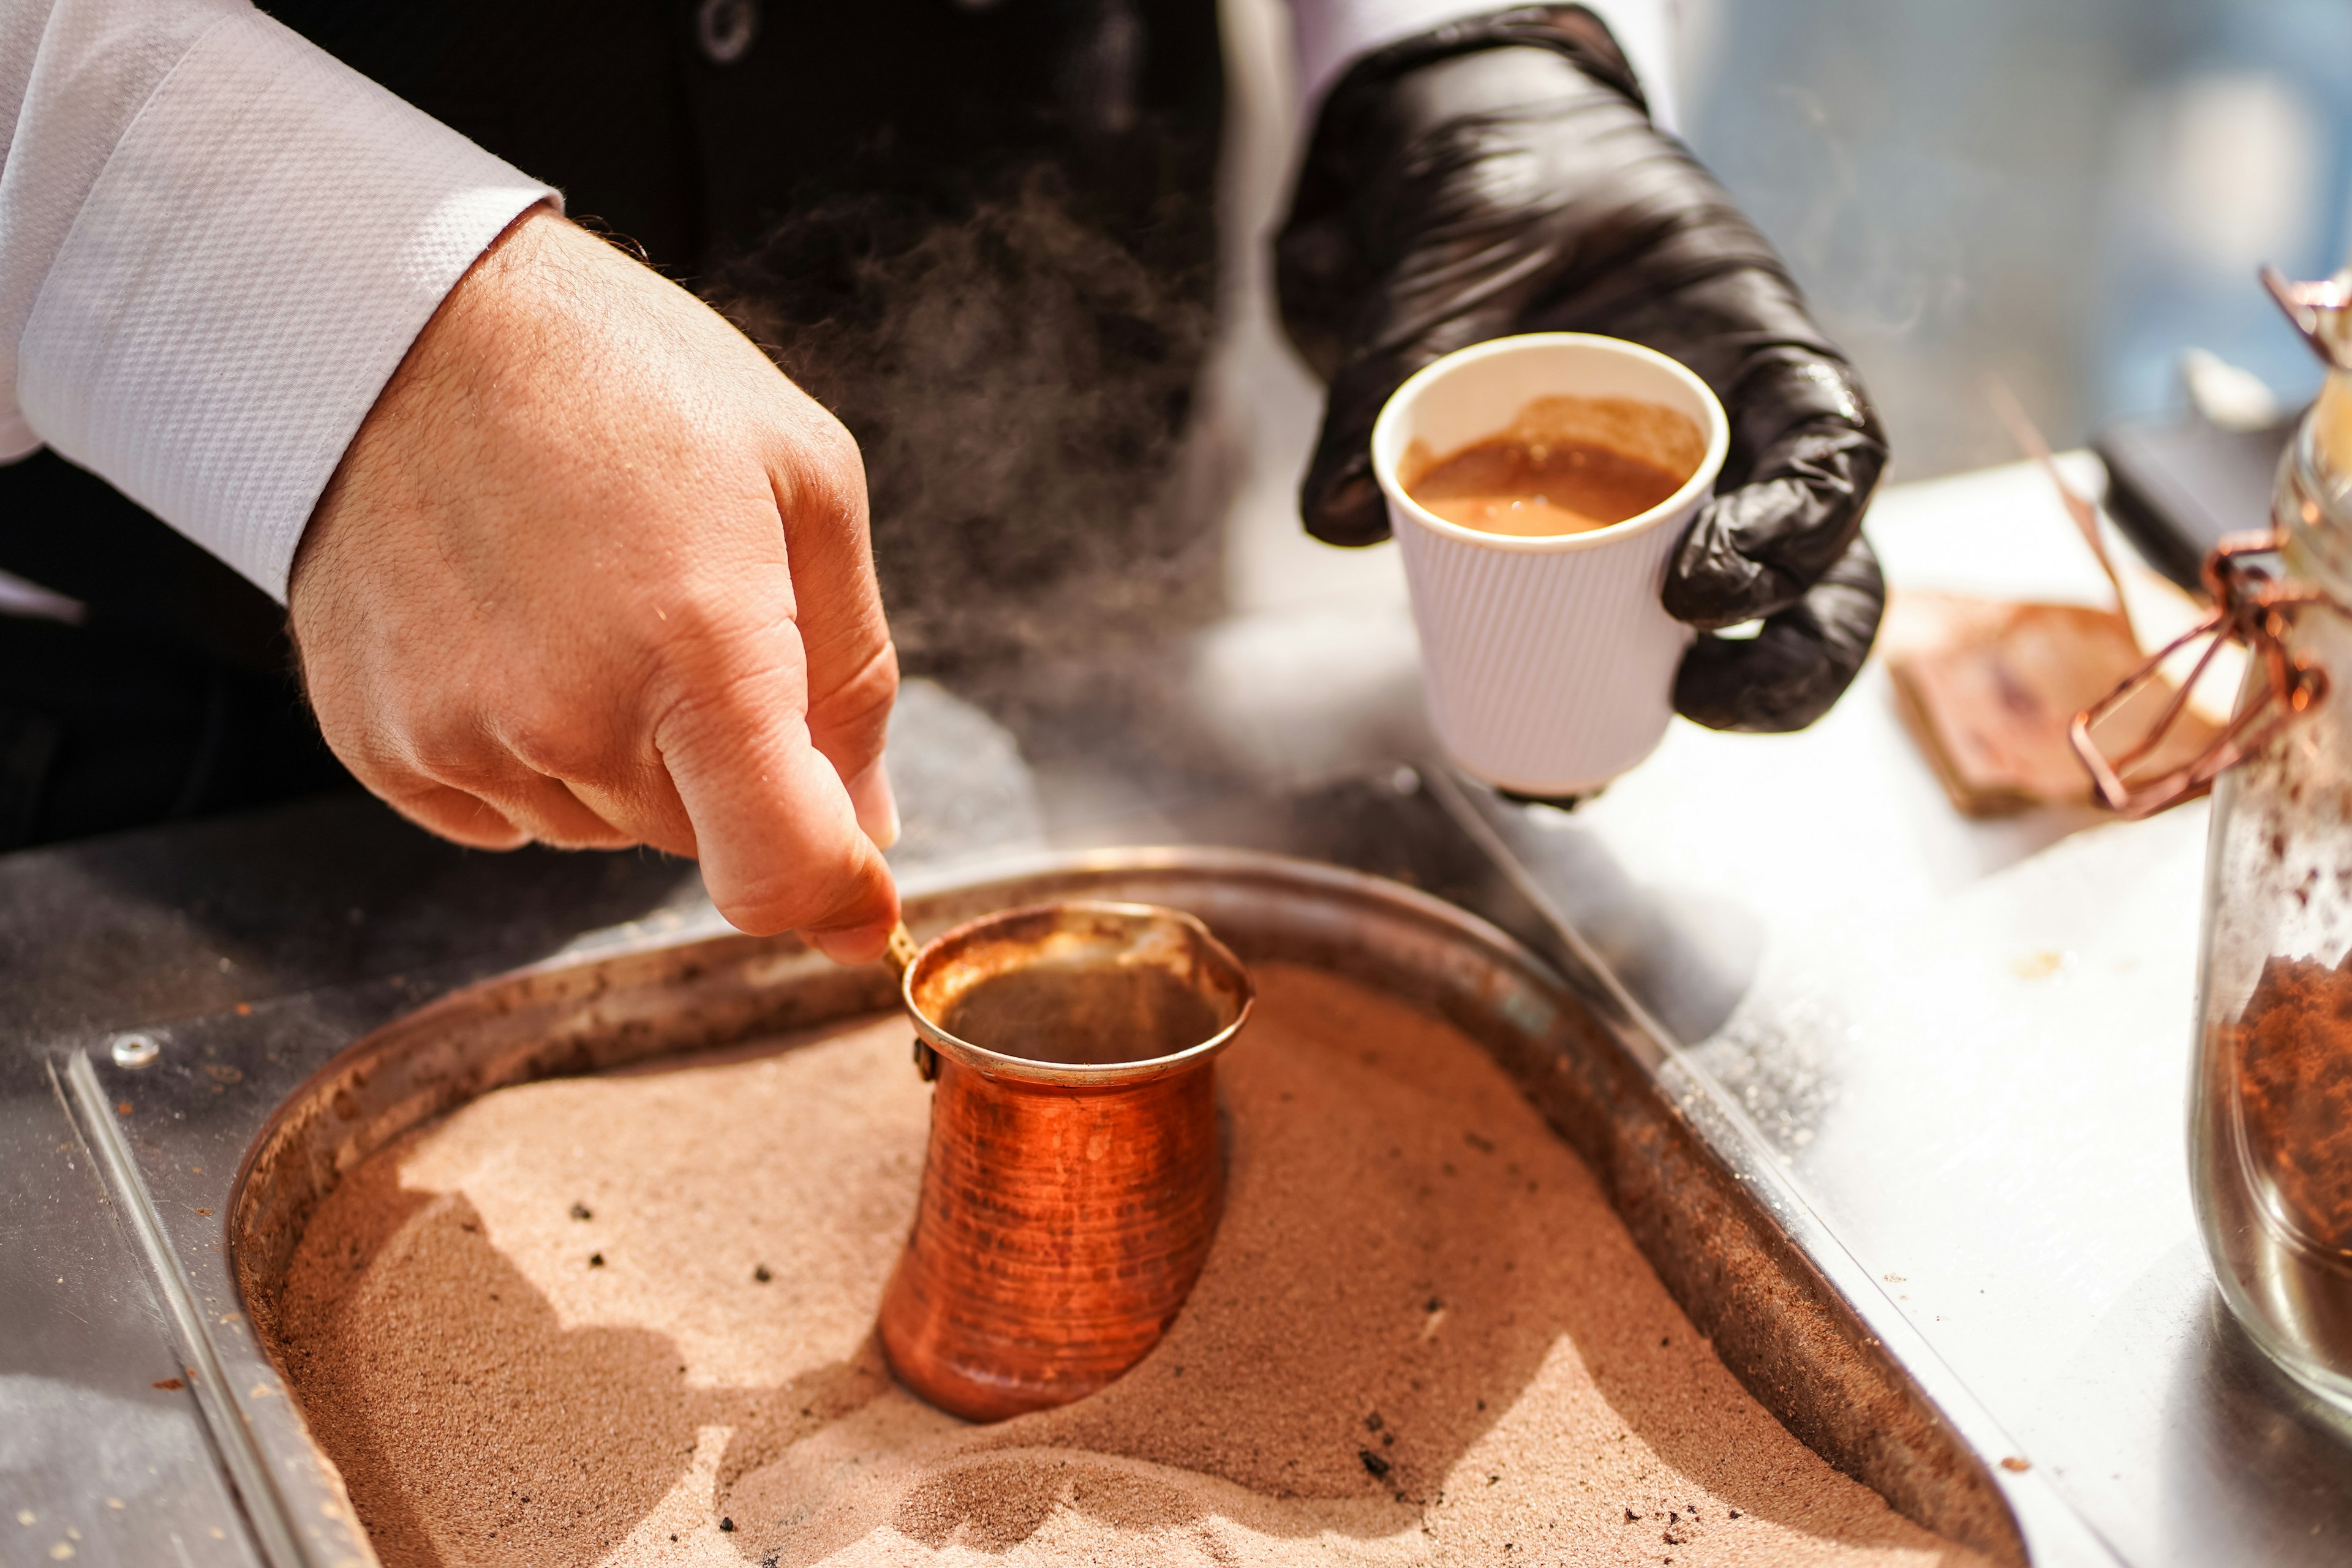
[[260, 249]]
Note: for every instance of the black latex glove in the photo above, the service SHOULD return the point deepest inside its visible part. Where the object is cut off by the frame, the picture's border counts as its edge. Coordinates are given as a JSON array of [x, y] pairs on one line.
[[1501, 176]]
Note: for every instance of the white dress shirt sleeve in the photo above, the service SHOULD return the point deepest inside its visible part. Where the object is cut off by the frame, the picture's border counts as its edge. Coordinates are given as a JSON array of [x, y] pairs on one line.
[[1332, 35], [216, 242]]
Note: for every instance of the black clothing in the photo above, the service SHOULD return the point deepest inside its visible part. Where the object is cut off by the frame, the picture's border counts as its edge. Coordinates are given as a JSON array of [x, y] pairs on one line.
[[622, 105], [175, 698]]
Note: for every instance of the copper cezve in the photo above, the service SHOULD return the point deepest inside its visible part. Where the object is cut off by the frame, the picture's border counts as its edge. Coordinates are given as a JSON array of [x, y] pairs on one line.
[[1074, 1174]]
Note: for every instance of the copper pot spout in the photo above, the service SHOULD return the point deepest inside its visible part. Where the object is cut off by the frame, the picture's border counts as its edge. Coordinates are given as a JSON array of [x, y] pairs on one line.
[[1075, 1174]]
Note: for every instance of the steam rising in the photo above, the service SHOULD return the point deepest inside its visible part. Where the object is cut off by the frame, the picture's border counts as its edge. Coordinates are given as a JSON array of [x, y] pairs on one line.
[[1019, 379]]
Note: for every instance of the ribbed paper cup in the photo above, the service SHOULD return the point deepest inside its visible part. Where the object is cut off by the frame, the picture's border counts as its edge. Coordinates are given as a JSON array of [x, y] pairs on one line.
[[1548, 663]]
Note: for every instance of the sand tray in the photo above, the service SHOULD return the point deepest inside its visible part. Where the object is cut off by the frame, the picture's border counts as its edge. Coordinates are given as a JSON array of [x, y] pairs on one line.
[[642, 1002]]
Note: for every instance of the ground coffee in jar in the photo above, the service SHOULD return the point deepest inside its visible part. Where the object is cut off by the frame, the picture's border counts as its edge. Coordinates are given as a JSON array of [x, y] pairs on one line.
[[2271, 1107], [2294, 1094]]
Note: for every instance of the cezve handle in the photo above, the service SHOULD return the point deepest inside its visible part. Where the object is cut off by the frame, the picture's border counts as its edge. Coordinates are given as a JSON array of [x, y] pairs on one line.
[[900, 956]]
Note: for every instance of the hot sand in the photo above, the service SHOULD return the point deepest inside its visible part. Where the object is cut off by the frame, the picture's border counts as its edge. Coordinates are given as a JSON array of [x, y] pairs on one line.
[[538, 1334]]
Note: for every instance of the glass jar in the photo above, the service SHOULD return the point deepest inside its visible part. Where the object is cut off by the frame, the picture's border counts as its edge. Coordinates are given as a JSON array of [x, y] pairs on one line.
[[2270, 1102]]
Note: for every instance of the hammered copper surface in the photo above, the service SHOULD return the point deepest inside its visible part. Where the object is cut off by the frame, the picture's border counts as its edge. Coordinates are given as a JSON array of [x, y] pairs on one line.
[[1074, 1173]]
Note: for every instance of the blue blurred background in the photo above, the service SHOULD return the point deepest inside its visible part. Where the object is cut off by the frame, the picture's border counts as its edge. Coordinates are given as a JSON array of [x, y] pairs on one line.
[[2067, 193]]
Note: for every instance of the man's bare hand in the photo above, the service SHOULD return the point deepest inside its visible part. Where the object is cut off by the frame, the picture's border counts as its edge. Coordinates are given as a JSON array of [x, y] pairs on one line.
[[594, 572]]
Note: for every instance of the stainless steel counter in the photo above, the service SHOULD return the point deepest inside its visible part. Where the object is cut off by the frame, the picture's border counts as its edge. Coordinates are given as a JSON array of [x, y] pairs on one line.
[[1966, 1046], [1953, 1056]]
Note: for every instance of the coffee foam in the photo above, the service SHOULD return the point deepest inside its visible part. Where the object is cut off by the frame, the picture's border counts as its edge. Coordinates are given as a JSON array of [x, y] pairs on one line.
[[1650, 431]]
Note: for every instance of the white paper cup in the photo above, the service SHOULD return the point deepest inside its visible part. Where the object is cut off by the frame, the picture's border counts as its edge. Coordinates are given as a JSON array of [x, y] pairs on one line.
[[1548, 663]]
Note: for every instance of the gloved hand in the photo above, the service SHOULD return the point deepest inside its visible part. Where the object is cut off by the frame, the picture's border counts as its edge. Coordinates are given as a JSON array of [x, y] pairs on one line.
[[1501, 176]]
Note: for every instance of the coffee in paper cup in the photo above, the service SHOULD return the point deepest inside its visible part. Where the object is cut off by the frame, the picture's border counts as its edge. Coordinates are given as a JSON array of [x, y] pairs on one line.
[[1548, 657]]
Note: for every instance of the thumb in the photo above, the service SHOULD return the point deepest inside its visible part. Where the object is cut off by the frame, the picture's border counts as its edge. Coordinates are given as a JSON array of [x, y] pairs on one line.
[[1339, 499], [774, 827]]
